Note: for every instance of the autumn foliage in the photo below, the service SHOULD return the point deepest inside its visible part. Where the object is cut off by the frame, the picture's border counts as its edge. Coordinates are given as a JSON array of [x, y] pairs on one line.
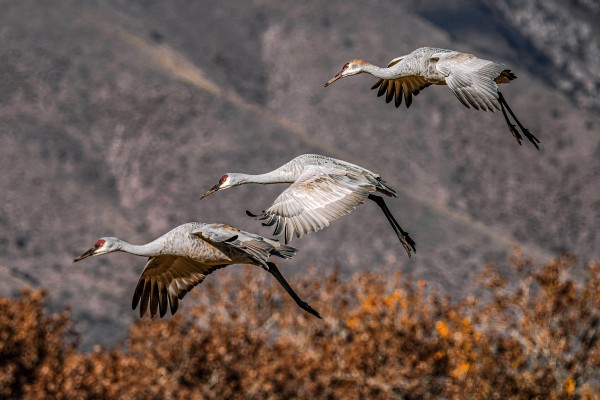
[[381, 337]]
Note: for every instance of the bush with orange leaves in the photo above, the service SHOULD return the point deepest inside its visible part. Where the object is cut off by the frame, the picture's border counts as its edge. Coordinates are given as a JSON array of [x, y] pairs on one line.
[[381, 337]]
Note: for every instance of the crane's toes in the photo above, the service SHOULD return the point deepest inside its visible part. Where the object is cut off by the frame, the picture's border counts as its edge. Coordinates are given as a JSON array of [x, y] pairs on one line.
[[408, 243], [310, 310], [515, 133], [531, 138]]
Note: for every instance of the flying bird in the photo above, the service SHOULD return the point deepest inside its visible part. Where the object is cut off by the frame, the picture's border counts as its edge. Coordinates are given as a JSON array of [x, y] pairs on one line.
[[323, 189], [181, 259], [473, 81]]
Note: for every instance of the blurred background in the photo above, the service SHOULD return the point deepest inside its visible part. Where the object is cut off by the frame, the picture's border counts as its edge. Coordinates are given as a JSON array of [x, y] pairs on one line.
[[117, 115]]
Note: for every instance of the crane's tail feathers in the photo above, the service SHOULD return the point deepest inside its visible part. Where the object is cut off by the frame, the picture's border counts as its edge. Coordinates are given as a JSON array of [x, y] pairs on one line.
[[512, 128], [385, 188], [281, 250], [505, 76], [301, 303]]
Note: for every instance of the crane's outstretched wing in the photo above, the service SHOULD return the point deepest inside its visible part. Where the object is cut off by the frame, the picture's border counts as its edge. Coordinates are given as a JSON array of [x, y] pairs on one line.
[[256, 247], [319, 195], [406, 86], [471, 79], [167, 279]]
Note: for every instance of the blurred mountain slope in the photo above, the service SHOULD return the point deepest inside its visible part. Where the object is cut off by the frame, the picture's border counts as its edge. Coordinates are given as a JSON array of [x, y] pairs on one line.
[[117, 116]]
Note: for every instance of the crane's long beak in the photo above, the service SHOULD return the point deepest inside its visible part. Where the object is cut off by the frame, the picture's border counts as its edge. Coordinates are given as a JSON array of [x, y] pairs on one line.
[[335, 78], [211, 191], [85, 255]]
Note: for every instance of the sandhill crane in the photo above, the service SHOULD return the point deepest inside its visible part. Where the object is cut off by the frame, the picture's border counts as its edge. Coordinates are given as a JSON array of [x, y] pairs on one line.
[[181, 259], [323, 189], [472, 80]]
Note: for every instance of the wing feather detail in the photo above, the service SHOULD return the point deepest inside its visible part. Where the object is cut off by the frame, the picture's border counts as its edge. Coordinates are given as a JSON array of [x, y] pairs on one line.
[[319, 196], [406, 87], [255, 247], [166, 279], [471, 79]]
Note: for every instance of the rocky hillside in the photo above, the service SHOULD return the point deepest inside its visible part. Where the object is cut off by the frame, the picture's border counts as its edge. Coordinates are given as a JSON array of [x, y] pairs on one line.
[[116, 116]]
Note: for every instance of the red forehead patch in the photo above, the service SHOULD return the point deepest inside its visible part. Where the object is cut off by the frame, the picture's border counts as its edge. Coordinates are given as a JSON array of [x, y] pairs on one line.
[[345, 66], [99, 243], [223, 179]]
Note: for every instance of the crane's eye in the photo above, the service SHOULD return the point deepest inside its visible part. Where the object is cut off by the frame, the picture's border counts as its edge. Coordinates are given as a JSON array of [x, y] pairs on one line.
[[99, 243], [223, 179]]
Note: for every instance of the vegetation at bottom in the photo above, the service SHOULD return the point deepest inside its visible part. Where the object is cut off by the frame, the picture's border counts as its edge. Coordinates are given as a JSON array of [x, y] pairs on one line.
[[381, 336]]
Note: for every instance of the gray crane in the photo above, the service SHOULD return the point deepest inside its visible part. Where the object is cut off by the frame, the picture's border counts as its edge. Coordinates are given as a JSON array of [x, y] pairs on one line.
[[181, 259], [323, 189], [473, 81]]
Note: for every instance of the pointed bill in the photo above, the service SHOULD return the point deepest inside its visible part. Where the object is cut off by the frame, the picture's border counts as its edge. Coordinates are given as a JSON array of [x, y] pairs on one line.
[[210, 191], [85, 255], [335, 78]]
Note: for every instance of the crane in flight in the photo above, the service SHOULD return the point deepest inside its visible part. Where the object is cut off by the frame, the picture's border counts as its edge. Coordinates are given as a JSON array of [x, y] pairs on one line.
[[184, 256], [323, 189], [473, 81]]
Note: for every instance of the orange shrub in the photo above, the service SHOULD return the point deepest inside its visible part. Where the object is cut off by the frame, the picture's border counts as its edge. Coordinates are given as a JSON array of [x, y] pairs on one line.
[[381, 337]]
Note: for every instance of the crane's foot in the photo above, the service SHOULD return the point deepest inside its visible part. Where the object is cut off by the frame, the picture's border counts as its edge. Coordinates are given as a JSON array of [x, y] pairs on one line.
[[513, 129], [515, 132], [407, 243], [529, 136], [403, 236], [306, 307]]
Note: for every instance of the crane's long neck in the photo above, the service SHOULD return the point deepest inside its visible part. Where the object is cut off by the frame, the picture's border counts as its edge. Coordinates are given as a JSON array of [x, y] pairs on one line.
[[147, 250], [397, 71], [277, 176]]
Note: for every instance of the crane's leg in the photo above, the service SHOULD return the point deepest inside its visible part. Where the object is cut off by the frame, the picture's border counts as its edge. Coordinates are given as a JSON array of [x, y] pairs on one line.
[[302, 304], [513, 128], [405, 239], [525, 131]]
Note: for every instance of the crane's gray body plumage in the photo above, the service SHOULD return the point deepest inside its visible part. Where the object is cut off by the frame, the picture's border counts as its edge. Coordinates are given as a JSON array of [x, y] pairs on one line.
[[474, 81], [183, 257], [323, 189], [189, 252]]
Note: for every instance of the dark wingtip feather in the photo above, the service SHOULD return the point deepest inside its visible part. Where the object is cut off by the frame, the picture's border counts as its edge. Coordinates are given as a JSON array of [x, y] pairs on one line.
[[137, 294], [390, 92], [173, 303], [382, 88], [162, 303], [145, 298], [154, 299], [398, 94], [377, 84]]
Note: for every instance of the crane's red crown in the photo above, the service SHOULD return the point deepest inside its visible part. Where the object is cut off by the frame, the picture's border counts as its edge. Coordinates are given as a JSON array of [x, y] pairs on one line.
[[223, 179], [345, 66], [99, 243]]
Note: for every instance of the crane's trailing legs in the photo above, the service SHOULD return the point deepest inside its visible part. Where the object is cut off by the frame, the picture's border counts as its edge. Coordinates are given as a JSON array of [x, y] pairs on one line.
[[405, 239], [512, 128], [302, 304]]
